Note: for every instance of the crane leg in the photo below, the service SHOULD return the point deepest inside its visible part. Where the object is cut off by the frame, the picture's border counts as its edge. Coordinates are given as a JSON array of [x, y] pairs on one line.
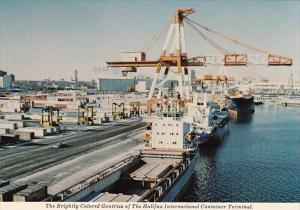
[[154, 82]]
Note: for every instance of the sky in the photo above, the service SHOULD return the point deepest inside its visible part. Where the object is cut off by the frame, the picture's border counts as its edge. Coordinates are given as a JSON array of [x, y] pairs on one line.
[[41, 39]]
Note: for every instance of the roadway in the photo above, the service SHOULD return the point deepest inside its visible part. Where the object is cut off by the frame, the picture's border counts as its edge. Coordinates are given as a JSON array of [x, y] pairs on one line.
[[24, 160]]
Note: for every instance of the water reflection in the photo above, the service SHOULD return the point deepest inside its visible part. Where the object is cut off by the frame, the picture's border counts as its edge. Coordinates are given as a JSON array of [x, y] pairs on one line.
[[258, 161], [202, 181], [242, 119]]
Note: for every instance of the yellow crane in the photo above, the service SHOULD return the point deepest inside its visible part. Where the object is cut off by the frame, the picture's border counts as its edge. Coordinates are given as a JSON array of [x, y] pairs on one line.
[[118, 110], [134, 109], [85, 115], [50, 117]]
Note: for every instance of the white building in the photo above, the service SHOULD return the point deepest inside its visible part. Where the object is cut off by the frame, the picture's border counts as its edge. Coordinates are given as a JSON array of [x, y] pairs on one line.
[[143, 86], [275, 87], [6, 81]]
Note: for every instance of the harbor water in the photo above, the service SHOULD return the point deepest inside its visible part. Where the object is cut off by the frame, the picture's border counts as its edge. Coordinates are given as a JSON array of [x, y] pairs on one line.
[[258, 161]]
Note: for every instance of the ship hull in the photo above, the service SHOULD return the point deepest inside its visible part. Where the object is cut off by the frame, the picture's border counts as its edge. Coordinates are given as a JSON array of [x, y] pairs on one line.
[[218, 133], [202, 138], [205, 138], [240, 105], [178, 187]]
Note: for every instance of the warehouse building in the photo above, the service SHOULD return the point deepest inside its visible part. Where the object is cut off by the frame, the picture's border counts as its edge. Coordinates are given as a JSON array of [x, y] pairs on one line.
[[116, 85]]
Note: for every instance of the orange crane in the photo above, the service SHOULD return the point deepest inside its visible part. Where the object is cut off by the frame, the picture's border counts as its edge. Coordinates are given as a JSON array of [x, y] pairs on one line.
[[174, 56]]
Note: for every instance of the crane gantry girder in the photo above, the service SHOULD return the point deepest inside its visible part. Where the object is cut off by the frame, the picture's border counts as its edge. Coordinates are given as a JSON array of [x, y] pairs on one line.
[[275, 60], [226, 60], [132, 63]]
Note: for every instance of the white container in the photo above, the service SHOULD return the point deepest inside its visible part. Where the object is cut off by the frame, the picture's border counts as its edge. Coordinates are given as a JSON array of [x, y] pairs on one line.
[[35, 116], [101, 114], [38, 132], [8, 125], [20, 124], [14, 117], [98, 121], [4, 130], [56, 130], [26, 136], [50, 131]]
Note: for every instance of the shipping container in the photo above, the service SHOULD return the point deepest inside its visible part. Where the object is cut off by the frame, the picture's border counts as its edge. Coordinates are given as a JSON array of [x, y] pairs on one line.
[[50, 130], [20, 124], [26, 135], [34, 192], [208, 77], [38, 132], [7, 192], [14, 117], [63, 106], [4, 131], [8, 125], [9, 138]]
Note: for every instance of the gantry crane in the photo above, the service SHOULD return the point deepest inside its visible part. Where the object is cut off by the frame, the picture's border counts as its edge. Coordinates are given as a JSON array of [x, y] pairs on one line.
[[118, 110], [134, 109], [174, 56], [24, 104], [50, 117], [85, 114]]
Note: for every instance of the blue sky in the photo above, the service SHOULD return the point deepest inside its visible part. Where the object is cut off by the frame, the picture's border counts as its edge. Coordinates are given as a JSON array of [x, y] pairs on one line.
[[50, 38]]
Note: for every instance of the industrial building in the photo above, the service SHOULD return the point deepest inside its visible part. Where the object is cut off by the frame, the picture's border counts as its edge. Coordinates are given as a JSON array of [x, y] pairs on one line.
[[143, 85], [6, 80], [116, 85]]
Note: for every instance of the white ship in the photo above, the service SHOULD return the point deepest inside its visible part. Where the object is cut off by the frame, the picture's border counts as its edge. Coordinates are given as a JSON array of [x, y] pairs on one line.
[[160, 171], [290, 100], [207, 121]]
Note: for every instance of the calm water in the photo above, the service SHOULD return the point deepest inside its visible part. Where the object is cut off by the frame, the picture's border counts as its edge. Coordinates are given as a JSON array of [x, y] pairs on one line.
[[258, 161]]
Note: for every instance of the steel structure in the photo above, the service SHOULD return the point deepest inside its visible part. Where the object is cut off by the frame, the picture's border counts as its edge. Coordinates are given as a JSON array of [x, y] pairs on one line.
[[173, 62], [85, 115], [50, 117], [134, 109], [118, 110]]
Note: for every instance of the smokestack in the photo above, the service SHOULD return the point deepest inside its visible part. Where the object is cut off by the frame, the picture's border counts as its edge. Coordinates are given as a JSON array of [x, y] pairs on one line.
[[76, 75]]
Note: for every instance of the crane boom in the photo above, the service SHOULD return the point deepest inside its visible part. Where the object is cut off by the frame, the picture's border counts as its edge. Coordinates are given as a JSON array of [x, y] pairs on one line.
[[174, 57], [211, 60]]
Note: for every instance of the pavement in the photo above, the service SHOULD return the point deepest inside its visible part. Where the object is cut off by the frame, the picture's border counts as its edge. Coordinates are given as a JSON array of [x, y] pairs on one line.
[[30, 158], [71, 172]]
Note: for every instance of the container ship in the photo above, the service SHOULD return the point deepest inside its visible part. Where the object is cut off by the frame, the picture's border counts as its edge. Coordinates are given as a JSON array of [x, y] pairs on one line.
[[158, 174], [208, 121], [240, 101]]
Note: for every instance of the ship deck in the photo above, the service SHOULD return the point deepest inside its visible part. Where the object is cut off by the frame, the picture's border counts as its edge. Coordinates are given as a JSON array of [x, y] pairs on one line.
[[112, 197], [150, 171]]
